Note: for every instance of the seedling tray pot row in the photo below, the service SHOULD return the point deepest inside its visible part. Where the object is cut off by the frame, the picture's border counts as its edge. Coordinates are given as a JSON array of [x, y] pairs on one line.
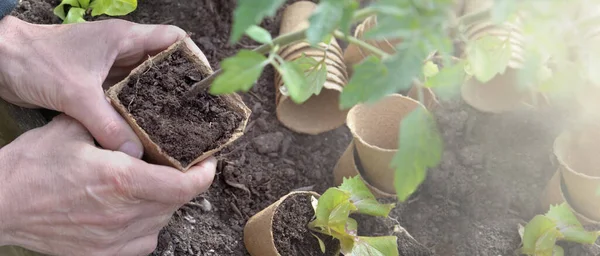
[[259, 236], [577, 153], [555, 194], [320, 113], [183, 54]]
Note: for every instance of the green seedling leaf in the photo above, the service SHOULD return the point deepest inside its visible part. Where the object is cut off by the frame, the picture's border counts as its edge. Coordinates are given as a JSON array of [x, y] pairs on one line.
[[368, 72], [346, 244], [239, 72], [329, 15], [446, 83], [113, 7], [333, 210], [295, 82], [558, 251], [430, 69], [569, 226], [540, 236], [321, 243], [363, 199], [259, 34], [420, 148], [488, 56], [502, 10], [75, 15], [315, 73], [60, 9], [375, 246], [84, 4], [251, 12]]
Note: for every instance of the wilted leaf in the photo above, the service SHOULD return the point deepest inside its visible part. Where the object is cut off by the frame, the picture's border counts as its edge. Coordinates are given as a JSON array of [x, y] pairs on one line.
[[375, 246], [488, 56], [363, 199], [75, 15], [239, 72], [420, 148], [540, 236], [259, 34], [251, 12]]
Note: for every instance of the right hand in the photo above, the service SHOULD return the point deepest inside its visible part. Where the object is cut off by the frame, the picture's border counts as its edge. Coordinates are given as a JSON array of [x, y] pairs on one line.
[[61, 195]]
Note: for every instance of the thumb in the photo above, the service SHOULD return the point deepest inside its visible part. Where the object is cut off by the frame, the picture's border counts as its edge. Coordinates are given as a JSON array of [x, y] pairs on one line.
[[107, 126]]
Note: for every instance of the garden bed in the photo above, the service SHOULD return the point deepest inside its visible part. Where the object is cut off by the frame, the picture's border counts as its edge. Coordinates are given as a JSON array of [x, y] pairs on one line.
[[493, 171]]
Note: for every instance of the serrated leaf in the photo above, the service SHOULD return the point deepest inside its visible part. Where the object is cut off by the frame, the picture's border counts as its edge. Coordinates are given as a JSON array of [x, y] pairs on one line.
[[488, 56], [375, 246], [113, 7], [333, 209], [446, 83], [239, 72], [570, 227], [295, 81], [321, 243], [540, 236], [315, 74], [370, 71], [324, 20], [251, 12], [363, 199], [75, 15], [60, 9], [259, 34], [420, 148]]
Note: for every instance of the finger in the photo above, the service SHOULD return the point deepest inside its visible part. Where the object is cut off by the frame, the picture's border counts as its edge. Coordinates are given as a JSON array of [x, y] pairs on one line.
[[140, 246], [169, 185], [111, 131]]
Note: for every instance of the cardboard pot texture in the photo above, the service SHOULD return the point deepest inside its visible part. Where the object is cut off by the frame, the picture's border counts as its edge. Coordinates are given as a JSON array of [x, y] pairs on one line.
[[375, 130], [152, 151], [577, 153], [320, 113], [554, 195], [346, 168], [258, 231]]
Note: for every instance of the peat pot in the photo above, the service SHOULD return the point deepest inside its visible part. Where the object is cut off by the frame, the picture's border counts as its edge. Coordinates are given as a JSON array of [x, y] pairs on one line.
[[555, 194], [175, 129], [282, 227]]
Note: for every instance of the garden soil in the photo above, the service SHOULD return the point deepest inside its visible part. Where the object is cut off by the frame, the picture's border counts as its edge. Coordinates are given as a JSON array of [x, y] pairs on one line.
[[493, 171], [184, 127]]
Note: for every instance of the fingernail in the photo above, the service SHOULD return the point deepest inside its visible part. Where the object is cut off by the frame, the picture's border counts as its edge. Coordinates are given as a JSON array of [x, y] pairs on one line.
[[132, 149]]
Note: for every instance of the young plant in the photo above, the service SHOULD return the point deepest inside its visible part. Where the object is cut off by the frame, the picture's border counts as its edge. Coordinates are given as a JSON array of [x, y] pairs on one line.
[[73, 11], [540, 235], [332, 218]]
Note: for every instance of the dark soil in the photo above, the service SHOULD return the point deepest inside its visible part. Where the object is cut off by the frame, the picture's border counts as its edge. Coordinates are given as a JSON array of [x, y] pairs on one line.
[[493, 171], [292, 236], [184, 127]]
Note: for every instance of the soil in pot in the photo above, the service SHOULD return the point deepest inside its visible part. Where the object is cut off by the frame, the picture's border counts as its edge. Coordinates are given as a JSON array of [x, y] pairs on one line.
[[183, 127], [291, 233]]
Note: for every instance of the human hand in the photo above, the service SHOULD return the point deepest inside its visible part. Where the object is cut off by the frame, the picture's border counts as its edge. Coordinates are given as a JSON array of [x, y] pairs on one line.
[[61, 195], [63, 68]]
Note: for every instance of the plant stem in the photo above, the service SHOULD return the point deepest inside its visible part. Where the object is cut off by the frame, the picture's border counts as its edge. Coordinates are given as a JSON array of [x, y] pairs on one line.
[[362, 14], [473, 17], [361, 43], [286, 39]]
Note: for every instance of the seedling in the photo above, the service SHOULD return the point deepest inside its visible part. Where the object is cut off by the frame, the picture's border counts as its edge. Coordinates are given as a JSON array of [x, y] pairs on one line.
[[540, 235], [73, 11], [332, 218]]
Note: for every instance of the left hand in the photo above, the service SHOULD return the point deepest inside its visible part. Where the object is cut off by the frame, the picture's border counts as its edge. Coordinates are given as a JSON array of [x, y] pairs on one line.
[[64, 67]]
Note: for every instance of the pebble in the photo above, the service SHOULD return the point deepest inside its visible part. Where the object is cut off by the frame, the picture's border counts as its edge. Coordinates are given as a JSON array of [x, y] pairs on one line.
[[268, 143]]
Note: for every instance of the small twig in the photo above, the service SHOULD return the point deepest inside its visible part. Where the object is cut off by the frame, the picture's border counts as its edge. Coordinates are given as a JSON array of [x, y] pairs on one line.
[[236, 209]]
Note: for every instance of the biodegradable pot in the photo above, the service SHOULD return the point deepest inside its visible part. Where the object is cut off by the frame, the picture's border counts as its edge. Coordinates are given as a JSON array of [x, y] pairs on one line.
[[576, 152], [375, 130], [554, 194], [429, 99], [348, 167], [320, 113], [154, 153], [258, 231]]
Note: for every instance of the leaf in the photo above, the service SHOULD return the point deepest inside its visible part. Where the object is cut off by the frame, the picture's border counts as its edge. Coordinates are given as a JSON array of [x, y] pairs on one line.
[[84, 3], [487, 57], [60, 9], [321, 243], [75, 15], [315, 73], [295, 82], [259, 34], [346, 244], [329, 15], [540, 236], [368, 72], [251, 12], [569, 226], [502, 9], [375, 246], [430, 69], [558, 251], [363, 199], [446, 83], [239, 72], [420, 148], [333, 210], [113, 7]]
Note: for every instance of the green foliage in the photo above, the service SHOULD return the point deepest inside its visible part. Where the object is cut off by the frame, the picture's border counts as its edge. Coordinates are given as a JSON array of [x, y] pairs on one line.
[[488, 56], [420, 148], [332, 218], [249, 13], [259, 34], [78, 8], [540, 235], [329, 16], [239, 72], [314, 76]]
